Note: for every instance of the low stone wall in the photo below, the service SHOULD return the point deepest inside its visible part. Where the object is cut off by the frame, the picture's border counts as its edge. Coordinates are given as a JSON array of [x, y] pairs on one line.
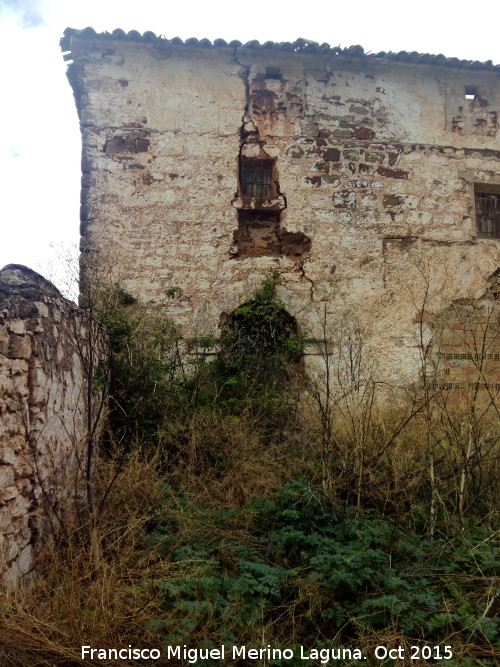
[[44, 343]]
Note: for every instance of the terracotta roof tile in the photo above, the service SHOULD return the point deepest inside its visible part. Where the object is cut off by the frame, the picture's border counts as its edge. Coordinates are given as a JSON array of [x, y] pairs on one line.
[[300, 45]]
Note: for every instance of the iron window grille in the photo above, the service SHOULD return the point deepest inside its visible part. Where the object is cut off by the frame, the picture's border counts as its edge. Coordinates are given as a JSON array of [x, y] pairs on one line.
[[488, 214], [256, 178]]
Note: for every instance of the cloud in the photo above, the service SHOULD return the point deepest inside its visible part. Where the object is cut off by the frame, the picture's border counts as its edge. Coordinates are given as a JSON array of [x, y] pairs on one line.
[[29, 13]]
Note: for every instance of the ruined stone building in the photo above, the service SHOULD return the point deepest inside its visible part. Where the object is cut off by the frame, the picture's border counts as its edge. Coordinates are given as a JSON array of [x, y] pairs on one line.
[[370, 181]]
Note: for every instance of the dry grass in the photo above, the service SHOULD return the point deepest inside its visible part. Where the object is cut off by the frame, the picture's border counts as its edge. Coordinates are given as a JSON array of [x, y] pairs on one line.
[[106, 597], [80, 597]]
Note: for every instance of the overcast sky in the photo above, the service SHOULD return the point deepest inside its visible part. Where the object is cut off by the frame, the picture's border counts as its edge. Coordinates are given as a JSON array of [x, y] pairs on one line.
[[40, 140]]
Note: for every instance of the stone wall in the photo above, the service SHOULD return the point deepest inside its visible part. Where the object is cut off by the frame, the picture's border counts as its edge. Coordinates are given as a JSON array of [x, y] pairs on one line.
[[43, 401], [373, 165]]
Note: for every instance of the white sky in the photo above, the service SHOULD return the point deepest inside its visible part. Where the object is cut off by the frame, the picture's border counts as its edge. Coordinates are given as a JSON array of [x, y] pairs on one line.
[[40, 139]]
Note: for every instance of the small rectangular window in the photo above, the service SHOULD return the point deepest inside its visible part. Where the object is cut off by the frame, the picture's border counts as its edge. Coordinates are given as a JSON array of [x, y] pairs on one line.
[[256, 178], [471, 92], [487, 202]]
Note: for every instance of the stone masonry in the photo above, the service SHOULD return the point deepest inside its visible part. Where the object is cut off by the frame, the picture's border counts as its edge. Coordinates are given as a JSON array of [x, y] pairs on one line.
[[43, 408], [372, 183]]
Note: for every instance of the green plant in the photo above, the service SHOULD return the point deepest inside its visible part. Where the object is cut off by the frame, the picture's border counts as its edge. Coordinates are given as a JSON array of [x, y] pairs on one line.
[[173, 292], [303, 571], [258, 363], [156, 375], [145, 367]]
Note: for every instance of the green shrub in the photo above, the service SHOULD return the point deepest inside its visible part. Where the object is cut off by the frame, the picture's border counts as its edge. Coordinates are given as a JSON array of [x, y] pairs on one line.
[[304, 572], [155, 380]]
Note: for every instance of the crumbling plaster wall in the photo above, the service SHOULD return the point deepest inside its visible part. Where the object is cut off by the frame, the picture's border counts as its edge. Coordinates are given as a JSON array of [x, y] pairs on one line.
[[43, 352], [376, 162]]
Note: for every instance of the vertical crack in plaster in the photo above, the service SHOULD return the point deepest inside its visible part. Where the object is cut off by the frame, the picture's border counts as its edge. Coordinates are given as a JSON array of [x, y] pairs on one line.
[[244, 75], [300, 265]]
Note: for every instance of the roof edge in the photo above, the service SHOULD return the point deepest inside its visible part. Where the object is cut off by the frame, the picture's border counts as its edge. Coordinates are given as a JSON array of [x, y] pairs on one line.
[[298, 46]]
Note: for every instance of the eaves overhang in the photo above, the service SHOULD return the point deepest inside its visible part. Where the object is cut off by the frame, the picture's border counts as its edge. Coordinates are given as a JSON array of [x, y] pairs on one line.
[[298, 46]]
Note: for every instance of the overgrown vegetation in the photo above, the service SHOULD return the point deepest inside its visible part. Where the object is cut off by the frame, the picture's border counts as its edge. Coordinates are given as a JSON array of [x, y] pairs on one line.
[[230, 512], [161, 383], [307, 572]]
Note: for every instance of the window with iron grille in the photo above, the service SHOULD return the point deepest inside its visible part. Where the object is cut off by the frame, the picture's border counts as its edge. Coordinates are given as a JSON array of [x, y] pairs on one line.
[[487, 213], [256, 178]]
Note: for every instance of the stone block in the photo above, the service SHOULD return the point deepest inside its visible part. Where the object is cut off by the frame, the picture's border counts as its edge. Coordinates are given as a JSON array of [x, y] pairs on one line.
[[387, 172], [6, 476], [331, 154], [7, 454], [19, 347], [364, 133], [374, 156], [343, 133], [17, 327], [25, 560], [9, 493], [344, 199]]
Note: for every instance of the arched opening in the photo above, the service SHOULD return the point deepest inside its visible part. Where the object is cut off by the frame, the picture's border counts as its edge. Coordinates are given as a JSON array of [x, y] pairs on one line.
[[259, 355], [260, 337]]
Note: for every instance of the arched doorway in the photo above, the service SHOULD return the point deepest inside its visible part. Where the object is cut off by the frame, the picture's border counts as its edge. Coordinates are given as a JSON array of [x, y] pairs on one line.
[[259, 357]]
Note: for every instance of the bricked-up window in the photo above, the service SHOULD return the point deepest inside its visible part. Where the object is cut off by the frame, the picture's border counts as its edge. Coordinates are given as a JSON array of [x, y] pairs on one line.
[[256, 178], [487, 200]]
